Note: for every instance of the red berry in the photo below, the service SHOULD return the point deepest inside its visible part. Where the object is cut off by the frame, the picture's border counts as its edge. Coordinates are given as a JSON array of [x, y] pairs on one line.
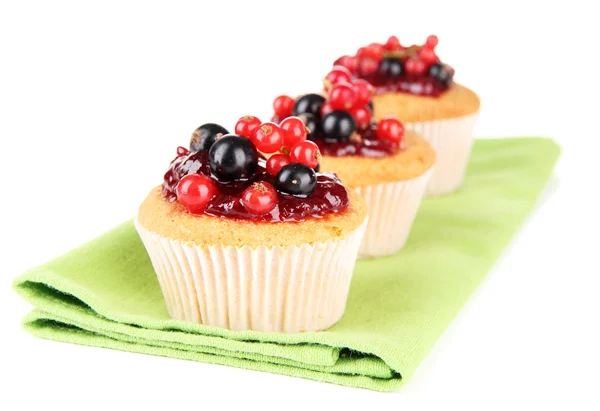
[[182, 151], [362, 116], [431, 41], [368, 66], [276, 162], [342, 96], [260, 198], [283, 106], [428, 55], [306, 153], [414, 65], [375, 51], [338, 74], [246, 126], [364, 91], [361, 52], [194, 191], [294, 131], [350, 62], [267, 138], [326, 108], [390, 129], [392, 44]]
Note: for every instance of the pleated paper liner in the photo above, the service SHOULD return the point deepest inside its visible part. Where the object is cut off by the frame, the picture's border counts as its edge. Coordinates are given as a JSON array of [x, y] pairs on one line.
[[280, 289], [452, 140]]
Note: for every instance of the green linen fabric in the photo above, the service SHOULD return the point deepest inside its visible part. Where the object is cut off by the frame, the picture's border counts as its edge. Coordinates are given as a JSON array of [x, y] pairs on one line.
[[106, 294]]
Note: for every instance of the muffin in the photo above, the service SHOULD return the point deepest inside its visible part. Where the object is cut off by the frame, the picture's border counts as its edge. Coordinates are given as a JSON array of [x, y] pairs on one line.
[[412, 83], [389, 167], [237, 246]]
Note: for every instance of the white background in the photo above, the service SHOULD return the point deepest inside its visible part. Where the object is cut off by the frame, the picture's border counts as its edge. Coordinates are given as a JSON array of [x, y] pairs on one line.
[[95, 97]]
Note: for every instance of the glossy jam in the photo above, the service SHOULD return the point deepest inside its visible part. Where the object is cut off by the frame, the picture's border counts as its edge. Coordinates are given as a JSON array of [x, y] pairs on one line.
[[420, 86], [369, 145], [330, 196]]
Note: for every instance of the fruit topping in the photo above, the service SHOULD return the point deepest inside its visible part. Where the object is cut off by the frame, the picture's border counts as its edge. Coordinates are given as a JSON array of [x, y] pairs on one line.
[[391, 66], [246, 125], [309, 103], [233, 157], [390, 129], [296, 179], [231, 178], [259, 198], [194, 191], [283, 106], [338, 125], [205, 136], [268, 137]]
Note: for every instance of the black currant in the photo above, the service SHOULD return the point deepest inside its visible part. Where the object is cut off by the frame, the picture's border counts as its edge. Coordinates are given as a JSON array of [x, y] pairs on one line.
[[233, 157], [205, 136], [441, 73], [309, 103], [312, 123], [338, 125], [296, 179], [391, 67]]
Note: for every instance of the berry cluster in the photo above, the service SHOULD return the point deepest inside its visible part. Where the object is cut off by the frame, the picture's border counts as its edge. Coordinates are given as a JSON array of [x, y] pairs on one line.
[[392, 61], [234, 160], [342, 115]]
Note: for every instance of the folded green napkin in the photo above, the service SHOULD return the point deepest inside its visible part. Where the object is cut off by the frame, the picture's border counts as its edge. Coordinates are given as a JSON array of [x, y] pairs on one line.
[[105, 293]]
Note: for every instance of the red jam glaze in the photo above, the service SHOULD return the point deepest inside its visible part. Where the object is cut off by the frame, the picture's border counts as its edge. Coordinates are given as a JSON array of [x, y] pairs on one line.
[[330, 196], [420, 86], [369, 145]]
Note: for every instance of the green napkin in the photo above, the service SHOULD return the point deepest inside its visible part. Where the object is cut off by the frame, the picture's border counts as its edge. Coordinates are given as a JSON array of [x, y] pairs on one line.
[[105, 293]]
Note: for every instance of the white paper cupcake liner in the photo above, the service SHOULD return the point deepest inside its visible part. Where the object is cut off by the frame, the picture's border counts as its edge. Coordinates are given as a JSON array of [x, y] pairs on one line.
[[452, 140], [280, 289], [392, 210]]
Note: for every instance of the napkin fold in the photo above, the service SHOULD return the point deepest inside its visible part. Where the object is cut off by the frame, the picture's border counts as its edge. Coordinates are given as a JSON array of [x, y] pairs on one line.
[[105, 293]]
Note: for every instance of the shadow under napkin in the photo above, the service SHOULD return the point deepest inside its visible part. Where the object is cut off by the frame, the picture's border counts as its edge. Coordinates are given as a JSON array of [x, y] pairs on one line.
[[105, 293]]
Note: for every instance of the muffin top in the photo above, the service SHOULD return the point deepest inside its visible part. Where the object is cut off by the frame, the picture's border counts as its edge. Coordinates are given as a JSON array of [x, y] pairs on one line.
[[172, 219], [458, 101], [414, 159]]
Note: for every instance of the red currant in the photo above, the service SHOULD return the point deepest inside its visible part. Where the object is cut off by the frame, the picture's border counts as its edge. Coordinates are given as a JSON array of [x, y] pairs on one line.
[[182, 151], [260, 198], [338, 74], [392, 44], [306, 153], [361, 52], [414, 65], [362, 116], [368, 66], [267, 138], [375, 51], [246, 126], [390, 129], [364, 91], [283, 106], [294, 131], [342, 96], [350, 62], [194, 191], [276, 162], [428, 55], [431, 41], [326, 108]]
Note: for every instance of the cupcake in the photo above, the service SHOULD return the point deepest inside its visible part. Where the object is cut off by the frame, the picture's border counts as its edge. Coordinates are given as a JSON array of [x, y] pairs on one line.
[[412, 83], [389, 167], [239, 246]]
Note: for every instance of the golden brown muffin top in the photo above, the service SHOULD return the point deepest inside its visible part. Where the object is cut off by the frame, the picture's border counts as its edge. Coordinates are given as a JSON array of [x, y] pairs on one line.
[[172, 220], [413, 160], [457, 101]]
